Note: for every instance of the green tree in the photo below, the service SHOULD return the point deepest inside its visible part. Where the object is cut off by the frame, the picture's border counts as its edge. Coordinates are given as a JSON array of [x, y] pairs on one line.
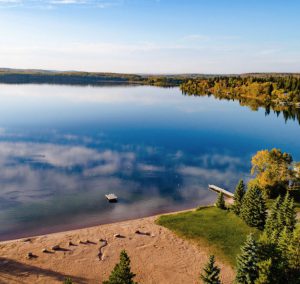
[[272, 229], [253, 210], [282, 215], [283, 243], [211, 272], [293, 257], [264, 272], [220, 203], [121, 274], [247, 262], [238, 197], [287, 213]]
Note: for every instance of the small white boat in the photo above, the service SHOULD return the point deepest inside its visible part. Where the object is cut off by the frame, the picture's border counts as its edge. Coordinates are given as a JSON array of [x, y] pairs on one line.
[[111, 197]]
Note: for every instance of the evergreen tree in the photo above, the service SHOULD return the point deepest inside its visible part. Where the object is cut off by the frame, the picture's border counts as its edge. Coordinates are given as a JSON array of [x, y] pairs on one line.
[[282, 215], [247, 262], [271, 229], [293, 256], [220, 203], [68, 280], [283, 243], [238, 197], [211, 272], [264, 272], [253, 210], [121, 274], [287, 213]]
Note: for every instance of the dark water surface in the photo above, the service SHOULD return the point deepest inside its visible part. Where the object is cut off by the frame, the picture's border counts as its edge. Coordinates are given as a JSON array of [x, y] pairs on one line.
[[63, 147]]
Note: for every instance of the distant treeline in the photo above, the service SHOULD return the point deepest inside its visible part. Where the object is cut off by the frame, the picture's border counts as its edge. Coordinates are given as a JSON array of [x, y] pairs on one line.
[[281, 89], [11, 76], [190, 83], [280, 94]]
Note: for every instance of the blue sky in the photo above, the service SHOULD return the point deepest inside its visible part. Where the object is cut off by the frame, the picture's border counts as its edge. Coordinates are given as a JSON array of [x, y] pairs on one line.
[[151, 36]]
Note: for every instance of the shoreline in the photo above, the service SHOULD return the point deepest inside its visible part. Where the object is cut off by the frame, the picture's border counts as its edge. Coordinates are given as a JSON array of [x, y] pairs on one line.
[[157, 255], [61, 228], [66, 231]]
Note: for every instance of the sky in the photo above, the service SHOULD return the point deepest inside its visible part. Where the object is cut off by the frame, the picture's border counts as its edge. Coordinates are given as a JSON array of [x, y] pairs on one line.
[[151, 36]]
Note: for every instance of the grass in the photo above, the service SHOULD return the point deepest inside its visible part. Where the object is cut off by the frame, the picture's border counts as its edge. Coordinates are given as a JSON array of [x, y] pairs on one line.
[[220, 230]]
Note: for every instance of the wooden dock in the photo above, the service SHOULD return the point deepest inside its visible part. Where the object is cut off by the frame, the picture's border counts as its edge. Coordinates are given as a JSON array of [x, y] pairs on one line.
[[111, 197], [219, 189]]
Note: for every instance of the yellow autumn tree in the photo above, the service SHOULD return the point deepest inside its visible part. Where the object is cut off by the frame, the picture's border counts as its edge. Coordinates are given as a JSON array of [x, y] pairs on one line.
[[272, 170]]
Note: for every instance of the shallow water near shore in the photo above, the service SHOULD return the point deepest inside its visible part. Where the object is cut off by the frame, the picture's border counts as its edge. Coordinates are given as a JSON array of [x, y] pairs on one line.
[[62, 148]]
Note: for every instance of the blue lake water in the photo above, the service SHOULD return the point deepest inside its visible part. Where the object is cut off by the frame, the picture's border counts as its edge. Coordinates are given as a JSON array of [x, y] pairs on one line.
[[62, 148]]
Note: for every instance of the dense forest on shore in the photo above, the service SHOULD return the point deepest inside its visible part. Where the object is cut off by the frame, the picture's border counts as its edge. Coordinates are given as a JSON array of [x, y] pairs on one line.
[[280, 93], [279, 90]]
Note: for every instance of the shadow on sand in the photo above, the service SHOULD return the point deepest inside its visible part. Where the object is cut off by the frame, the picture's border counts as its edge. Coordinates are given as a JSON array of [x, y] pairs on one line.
[[11, 269]]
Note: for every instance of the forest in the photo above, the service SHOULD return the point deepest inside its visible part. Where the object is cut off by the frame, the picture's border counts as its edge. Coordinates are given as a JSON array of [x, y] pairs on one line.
[[272, 90]]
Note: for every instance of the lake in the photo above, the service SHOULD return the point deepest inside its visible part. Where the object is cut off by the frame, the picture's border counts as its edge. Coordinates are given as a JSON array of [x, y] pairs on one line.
[[62, 148]]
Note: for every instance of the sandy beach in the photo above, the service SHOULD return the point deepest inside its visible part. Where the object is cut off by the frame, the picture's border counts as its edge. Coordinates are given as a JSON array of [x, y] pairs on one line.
[[157, 255]]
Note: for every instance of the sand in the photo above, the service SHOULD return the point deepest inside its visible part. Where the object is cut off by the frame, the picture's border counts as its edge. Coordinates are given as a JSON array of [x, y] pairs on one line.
[[157, 257]]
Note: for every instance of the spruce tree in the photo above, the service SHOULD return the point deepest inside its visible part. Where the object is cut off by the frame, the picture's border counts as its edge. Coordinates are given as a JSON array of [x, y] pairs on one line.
[[211, 272], [271, 229], [121, 274], [264, 272], [288, 213], [220, 203], [238, 197], [293, 255], [253, 210], [283, 243], [282, 215], [247, 262]]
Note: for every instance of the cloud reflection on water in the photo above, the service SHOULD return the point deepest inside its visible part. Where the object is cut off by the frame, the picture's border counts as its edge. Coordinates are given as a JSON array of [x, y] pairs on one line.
[[41, 181]]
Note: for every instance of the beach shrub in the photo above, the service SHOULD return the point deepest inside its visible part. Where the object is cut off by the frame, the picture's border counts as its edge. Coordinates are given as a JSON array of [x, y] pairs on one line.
[[253, 210], [121, 273], [68, 280], [211, 272], [238, 197], [220, 203]]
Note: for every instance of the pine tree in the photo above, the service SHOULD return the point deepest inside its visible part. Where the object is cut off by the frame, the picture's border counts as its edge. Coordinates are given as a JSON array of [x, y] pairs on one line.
[[211, 272], [294, 255], [283, 242], [220, 203], [264, 272], [121, 274], [238, 197], [271, 228], [288, 213], [253, 210], [282, 215], [247, 262]]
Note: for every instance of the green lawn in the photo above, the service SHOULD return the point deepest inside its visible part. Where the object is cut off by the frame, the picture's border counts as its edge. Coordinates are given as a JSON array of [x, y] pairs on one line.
[[222, 231]]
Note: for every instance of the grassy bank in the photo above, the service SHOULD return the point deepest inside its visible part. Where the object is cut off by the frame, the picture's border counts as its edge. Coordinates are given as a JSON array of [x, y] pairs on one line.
[[222, 231]]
